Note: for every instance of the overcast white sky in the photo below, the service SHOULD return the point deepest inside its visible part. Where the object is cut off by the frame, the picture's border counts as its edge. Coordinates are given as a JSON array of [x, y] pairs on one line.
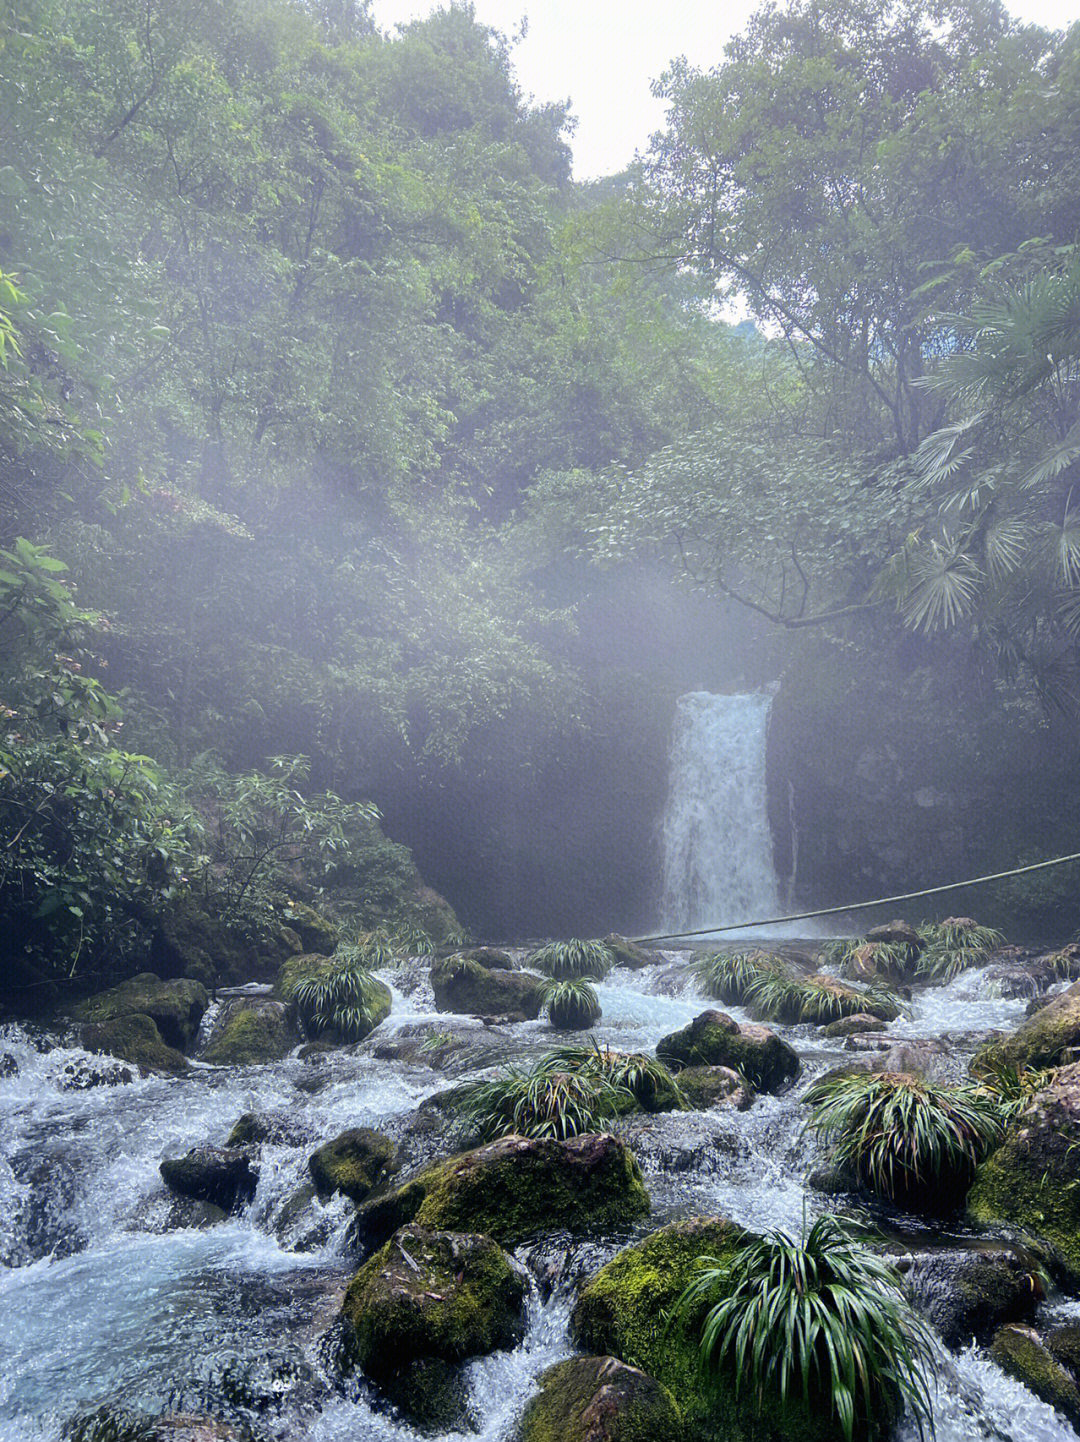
[[602, 54]]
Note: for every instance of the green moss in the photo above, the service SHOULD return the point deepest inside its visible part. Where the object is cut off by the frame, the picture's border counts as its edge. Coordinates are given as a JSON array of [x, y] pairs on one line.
[[353, 1163], [624, 1311], [627, 953], [135, 1039], [315, 932], [709, 1086], [715, 1039], [465, 986], [1020, 1352], [252, 1034], [516, 1188], [176, 1007], [190, 941], [583, 1394], [1044, 1038]]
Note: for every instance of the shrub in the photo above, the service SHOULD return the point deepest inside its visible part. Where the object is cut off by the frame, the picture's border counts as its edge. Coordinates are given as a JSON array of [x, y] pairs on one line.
[[545, 1101], [904, 1138], [571, 1003], [341, 997], [952, 945], [565, 960], [824, 1318], [646, 1078]]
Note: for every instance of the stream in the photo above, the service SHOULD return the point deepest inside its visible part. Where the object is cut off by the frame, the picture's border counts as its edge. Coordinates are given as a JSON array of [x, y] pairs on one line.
[[104, 1301]]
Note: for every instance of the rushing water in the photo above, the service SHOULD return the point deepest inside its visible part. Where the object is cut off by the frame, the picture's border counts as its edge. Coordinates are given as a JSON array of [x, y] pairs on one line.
[[104, 1300], [717, 847]]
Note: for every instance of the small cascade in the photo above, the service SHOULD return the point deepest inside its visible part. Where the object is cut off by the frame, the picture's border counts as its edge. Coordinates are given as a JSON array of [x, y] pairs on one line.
[[718, 855]]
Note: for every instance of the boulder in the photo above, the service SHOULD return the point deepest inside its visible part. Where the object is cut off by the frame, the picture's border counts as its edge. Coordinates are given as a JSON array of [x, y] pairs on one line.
[[627, 953], [422, 1305], [353, 1163], [193, 942], [256, 1129], [876, 961], [713, 1086], [716, 1039], [600, 1399], [892, 932], [471, 989], [175, 1007], [1022, 1353], [1029, 1183], [313, 965], [249, 1031], [1046, 1038], [1063, 1343], [223, 1176], [576, 1011], [854, 1025], [515, 1188], [82, 1074], [134, 1039], [316, 934], [490, 956], [624, 1312], [969, 1292]]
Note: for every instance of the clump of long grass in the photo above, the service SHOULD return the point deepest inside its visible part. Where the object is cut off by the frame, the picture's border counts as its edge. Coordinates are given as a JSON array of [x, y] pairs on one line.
[[953, 945], [341, 997], [823, 1319], [646, 1078], [566, 960], [1010, 1084], [571, 1002], [780, 996], [728, 975], [546, 1100], [906, 1139]]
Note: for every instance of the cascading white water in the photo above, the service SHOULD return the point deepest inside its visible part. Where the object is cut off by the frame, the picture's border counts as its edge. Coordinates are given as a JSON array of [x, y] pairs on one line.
[[718, 857]]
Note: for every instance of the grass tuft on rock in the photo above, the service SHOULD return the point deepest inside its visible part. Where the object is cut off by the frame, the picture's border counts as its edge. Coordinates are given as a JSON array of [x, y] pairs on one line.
[[546, 1100], [953, 945], [566, 960], [571, 1003]]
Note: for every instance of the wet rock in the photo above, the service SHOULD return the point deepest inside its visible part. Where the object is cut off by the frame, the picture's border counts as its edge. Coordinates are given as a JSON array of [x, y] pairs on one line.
[[465, 986], [691, 1142], [854, 1025], [189, 1427], [515, 1188], [712, 1086], [892, 932], [424, 1304], [1063, 1344], [80, 1075], [490, 956], [600, 1399], [424, 1044], [627, 953], [716, 1039], [224, 1176], [1015, 972], [175, 1007], [112, 1425], [354, 1163], [968, 1292], [624, 1310], [256, 1129], [193, 942], [134, 1039], [1022, 1353], [1029, 1183], [1046, 1038], [250, 1031], [315, 933], [9, 1066], [163, 1211]]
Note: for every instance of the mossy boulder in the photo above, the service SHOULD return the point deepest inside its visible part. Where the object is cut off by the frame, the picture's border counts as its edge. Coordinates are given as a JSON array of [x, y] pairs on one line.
[[1047, 1038], [1030, 1182], [224, 1176], [191, 941], [705, 1087], [969, 1292], [490, 956], [623, 1311], [250, 1031], [1021, 1352], [175, 1007], [627, 953], [465, 986], [424, 1304], [312, 966], [600, 1399], [134, 1039], [856, 1024], [315, 932], [256, 1129], [574, 1010], [515, 1188], [354, 1163], [716, 1039]]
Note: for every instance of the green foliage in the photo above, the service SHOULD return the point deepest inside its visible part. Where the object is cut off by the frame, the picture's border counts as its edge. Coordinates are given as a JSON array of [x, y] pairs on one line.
[[728, 975], [823, 1318], [548, 1100], [953, 945], [1011, 1084], [340, 997], [781, 996], [570, 1002], [906, 1139], [644, 1077], [564, 960]]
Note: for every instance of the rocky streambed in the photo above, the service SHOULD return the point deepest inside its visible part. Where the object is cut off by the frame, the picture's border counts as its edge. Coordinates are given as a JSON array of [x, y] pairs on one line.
[[117, 1292]]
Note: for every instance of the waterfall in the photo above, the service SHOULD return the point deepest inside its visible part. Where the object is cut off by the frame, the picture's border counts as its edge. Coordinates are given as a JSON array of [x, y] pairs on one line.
[[718, 857]]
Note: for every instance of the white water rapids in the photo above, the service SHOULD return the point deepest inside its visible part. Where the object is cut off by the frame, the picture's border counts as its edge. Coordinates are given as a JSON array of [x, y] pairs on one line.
[[102, 1304]]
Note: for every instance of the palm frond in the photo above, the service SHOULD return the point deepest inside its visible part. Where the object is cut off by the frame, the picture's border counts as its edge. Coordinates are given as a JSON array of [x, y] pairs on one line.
[[945, 587]]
